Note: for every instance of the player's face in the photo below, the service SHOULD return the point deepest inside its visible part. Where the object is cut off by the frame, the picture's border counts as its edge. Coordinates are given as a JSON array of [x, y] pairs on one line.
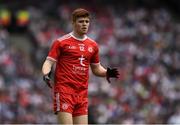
[[81, 25]]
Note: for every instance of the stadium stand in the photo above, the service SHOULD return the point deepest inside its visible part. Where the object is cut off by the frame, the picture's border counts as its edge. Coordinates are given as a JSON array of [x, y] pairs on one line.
[[138, 38]]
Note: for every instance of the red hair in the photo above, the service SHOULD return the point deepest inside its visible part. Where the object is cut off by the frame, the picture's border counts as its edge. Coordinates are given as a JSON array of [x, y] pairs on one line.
[[80, 12]]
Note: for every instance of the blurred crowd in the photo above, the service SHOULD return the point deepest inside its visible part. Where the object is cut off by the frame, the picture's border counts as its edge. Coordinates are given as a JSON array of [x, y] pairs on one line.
[[144, 45]]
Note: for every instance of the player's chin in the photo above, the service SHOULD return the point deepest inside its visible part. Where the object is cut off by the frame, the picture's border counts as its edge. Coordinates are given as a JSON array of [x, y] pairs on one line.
[[84, 30]]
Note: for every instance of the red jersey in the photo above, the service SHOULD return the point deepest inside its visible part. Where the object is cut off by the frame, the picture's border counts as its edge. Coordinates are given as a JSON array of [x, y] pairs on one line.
[[73, 57]]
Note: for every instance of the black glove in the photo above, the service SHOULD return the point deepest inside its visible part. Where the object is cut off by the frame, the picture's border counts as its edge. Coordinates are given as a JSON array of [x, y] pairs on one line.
[[47, 79], [111, 73]]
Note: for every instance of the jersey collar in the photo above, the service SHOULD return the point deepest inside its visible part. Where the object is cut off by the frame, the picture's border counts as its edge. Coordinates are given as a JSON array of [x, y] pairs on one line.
[[85, 37]]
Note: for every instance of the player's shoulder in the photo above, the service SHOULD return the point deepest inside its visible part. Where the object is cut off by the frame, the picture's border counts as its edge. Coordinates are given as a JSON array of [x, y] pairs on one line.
[[93, 42], [63, 38]]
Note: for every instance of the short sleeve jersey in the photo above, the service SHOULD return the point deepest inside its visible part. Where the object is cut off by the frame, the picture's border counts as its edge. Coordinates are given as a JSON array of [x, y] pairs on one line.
[[73, 57]]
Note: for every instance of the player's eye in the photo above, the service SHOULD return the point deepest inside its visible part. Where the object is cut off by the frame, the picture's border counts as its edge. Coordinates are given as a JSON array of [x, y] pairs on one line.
[[87, 21], [81, 21]]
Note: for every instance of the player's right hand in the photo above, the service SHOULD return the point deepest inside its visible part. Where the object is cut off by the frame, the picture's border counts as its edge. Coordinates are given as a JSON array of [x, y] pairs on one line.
[[48, 80]]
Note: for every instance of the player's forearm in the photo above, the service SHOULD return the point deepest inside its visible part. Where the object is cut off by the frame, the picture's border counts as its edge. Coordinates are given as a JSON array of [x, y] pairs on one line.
[[46, 68], [99, 70]]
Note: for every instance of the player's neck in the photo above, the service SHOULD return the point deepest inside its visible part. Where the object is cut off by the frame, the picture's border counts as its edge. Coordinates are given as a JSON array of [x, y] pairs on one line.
[[78, 36]]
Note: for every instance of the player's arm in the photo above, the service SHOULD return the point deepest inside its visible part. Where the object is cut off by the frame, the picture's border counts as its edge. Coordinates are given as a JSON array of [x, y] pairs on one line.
[[99, 70], [49, 62], [46, 70], [47, 66]]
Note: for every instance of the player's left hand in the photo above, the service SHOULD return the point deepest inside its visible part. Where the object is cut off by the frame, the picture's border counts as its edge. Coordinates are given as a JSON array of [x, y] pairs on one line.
[[112, 73]]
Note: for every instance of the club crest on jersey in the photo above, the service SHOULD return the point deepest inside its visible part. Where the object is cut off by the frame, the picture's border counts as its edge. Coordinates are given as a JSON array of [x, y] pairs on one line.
[[64, 106], [90, 49]]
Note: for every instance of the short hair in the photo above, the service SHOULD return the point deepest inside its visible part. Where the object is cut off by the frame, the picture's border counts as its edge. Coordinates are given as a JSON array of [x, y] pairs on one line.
[[80, 12]]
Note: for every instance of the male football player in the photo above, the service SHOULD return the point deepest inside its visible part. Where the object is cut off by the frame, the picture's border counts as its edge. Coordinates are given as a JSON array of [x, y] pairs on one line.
[[73, 53]]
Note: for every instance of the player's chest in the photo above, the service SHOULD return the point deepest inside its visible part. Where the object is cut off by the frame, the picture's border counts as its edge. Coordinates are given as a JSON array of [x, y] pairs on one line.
[[78, 49]]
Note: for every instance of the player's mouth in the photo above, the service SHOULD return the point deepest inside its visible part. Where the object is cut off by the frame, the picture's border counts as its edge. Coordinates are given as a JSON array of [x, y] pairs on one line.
[[84, 28]]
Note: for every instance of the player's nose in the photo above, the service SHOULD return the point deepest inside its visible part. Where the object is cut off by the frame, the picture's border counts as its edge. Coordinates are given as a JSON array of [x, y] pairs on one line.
[[84, 24]]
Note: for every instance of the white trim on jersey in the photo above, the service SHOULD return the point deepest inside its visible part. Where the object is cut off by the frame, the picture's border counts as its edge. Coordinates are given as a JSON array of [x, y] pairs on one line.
[[85, 37], [67, 36], [51, 59], [58, 102]]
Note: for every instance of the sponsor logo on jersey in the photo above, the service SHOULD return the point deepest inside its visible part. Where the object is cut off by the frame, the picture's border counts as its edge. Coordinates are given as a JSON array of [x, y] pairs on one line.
[[81, 70], [81, 60]]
